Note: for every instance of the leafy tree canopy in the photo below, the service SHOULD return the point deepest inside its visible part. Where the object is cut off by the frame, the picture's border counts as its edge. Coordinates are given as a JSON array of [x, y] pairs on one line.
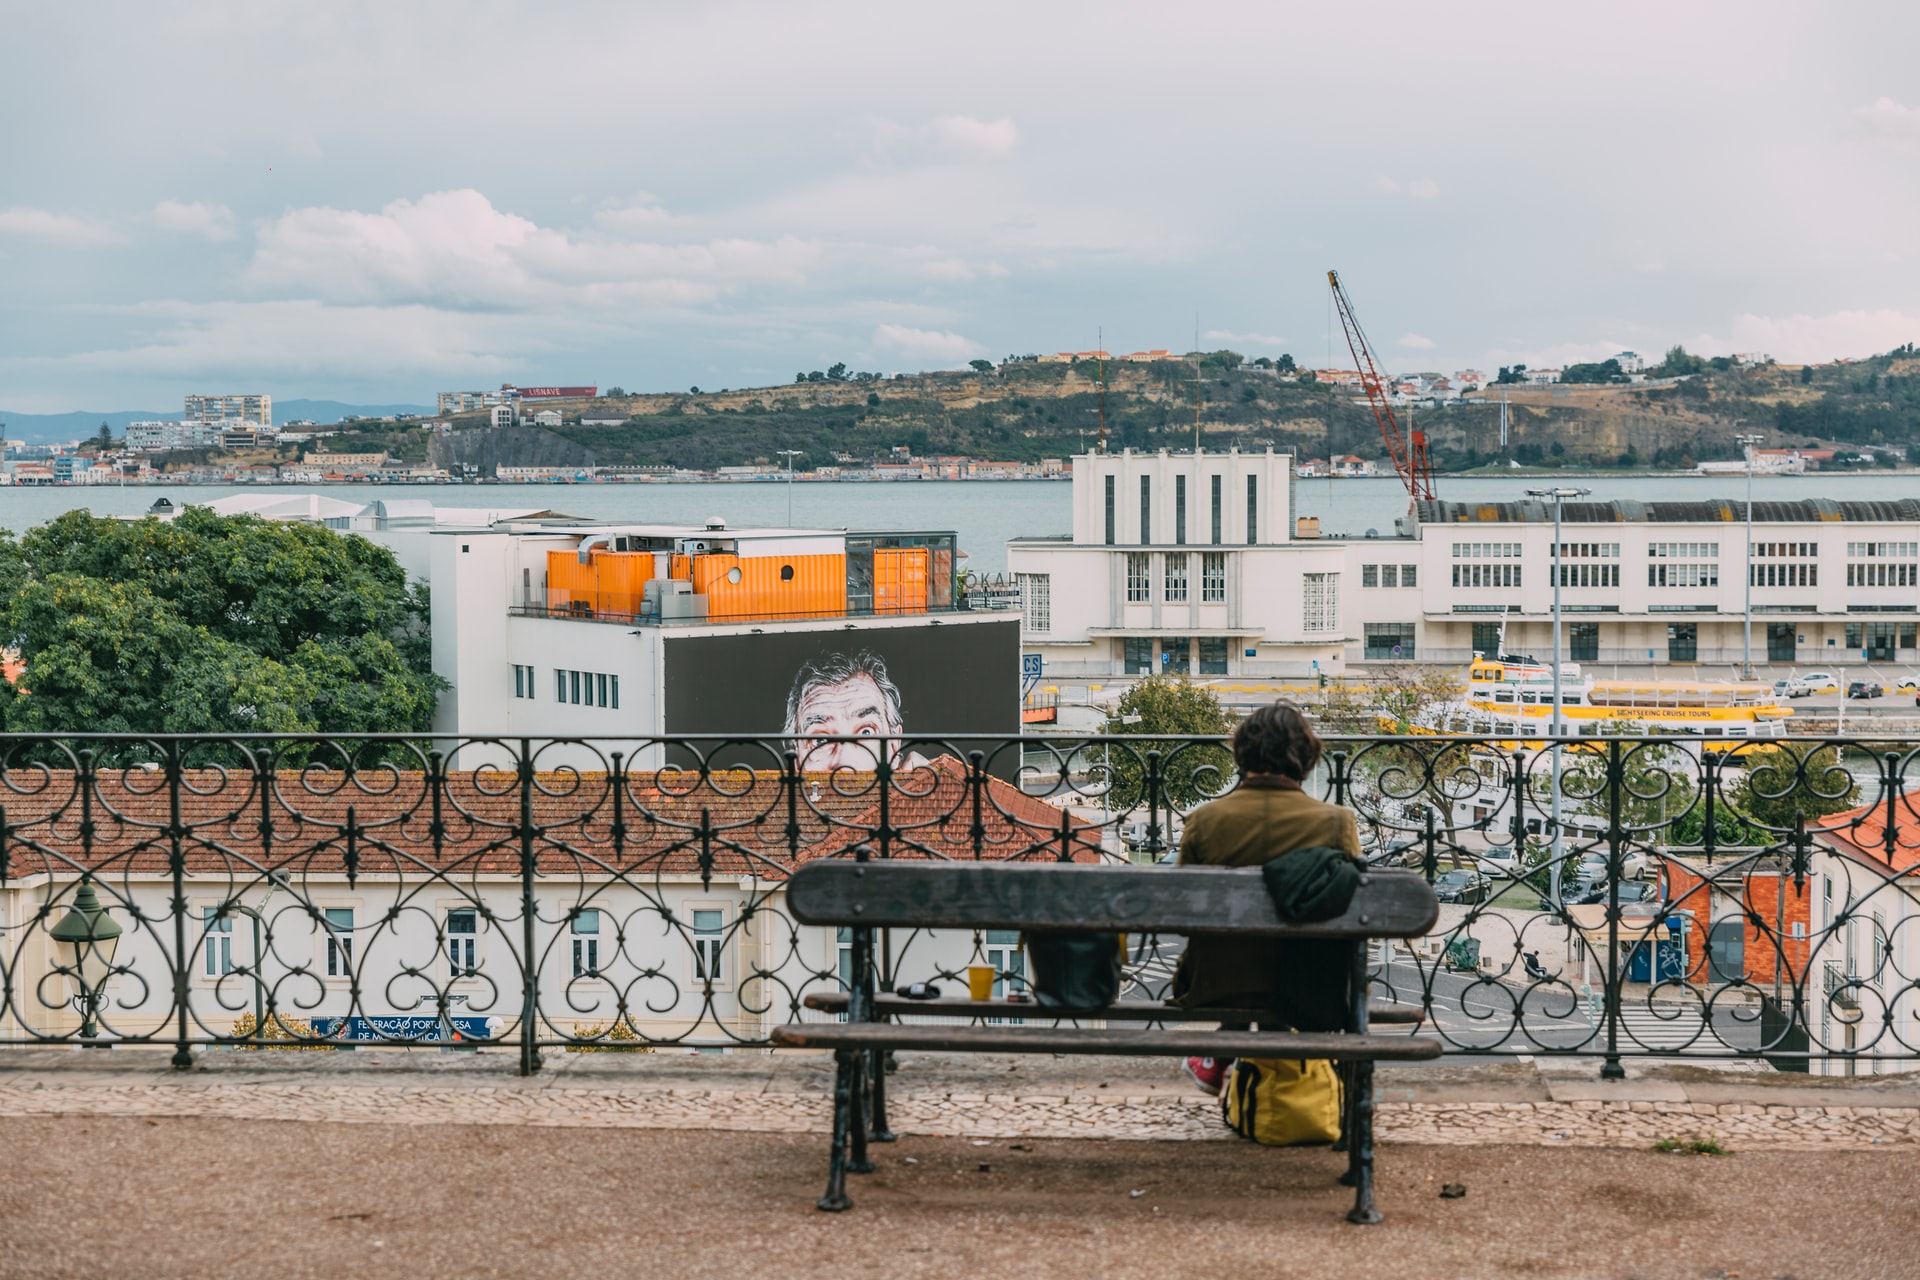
[[1166, 705], [980, 366], [211, 624]]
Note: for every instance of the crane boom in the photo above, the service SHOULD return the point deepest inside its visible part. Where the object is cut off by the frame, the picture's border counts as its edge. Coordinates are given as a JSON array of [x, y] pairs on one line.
[[1408, 449]]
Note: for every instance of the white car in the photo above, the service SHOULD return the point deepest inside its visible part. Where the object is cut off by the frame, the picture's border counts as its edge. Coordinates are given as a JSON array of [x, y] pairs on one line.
[[1908, 684], [1818, 682]]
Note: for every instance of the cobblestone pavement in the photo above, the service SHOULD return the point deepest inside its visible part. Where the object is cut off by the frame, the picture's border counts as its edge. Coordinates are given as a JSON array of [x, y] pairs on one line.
[[937, 1096], [208, 1199]]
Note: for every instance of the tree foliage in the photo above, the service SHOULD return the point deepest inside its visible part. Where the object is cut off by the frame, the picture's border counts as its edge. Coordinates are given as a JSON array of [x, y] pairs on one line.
[[1175, 706], [1785, 782], [211, 624]]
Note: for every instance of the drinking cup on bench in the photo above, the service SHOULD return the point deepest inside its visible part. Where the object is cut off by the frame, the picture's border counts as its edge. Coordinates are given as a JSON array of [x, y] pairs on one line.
[[980, 981]]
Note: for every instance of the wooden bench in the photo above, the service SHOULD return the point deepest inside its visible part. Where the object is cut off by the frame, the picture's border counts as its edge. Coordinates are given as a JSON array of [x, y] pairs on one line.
[[865, 896]]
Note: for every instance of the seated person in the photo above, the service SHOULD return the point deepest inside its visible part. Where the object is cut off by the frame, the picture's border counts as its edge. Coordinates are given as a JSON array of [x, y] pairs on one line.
[[1266, 816]]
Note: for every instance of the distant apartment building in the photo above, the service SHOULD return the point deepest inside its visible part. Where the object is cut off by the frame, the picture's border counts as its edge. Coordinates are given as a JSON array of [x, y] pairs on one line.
[[230, 408], [548, 418], [345, 461], [1630, 362], [1542, 377], [154, 436]]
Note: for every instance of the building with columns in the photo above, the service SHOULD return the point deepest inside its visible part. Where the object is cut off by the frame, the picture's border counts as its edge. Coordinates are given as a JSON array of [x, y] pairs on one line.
[[1184, 563]]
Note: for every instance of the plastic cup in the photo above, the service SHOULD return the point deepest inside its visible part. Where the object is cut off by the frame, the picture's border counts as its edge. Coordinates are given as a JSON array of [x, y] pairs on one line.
[[980, 981]]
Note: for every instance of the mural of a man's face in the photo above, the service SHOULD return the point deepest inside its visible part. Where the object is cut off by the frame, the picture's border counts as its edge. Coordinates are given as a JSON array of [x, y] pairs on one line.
[[854, 707]]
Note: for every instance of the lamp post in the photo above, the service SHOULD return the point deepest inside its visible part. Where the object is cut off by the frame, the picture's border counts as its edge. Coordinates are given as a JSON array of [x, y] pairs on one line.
[[1746, 667], [790, 455], [93, 935], [1558, 495]]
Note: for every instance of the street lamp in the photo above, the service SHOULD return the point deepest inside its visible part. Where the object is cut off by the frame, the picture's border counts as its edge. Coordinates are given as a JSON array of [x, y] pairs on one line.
[[93, 935], [1747, 442], [1558, 495], [790, 455]]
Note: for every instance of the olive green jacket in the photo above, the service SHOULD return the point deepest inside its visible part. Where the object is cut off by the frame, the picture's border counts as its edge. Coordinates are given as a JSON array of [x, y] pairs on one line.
[[1251, 825]]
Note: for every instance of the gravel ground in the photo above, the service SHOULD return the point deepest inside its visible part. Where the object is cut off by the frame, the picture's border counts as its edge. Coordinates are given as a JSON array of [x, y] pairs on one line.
[[98, 1196]]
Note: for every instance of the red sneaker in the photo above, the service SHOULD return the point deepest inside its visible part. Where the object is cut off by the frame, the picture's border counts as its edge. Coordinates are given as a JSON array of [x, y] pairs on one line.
[[1208, 1074]]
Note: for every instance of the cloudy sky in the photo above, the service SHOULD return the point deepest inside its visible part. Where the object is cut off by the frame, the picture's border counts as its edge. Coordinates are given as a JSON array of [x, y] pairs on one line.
[[374, 202]]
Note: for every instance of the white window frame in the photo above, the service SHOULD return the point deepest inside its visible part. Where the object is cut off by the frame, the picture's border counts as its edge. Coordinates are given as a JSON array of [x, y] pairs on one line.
[[1173, 578], [1036, 601], [695, 940], [1139, 584], [586, 943], [218, 934], [337, 947], [1213, 577], [459, 966], [1319, 603]]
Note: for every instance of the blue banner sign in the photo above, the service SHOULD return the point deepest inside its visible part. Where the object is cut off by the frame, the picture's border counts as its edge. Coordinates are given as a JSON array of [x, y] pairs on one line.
[[425, 1029]]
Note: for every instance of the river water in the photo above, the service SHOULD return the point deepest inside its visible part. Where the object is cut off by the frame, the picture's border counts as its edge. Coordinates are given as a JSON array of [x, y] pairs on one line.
[[985, 513]]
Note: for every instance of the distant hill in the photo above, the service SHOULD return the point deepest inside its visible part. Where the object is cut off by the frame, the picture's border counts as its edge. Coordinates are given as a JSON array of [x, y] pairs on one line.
[[46, 428]]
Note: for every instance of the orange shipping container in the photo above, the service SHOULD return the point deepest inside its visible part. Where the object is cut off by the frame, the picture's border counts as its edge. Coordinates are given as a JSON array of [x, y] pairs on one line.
[[900, 580], [771, 586]]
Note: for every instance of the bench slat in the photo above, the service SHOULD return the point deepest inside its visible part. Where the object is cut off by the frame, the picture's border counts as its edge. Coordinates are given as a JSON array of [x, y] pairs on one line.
[[1101, 1040], [1124, 1011], [1067, 898]]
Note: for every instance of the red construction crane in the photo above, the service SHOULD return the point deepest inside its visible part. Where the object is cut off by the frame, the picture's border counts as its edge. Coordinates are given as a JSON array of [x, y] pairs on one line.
[[1409, 450]]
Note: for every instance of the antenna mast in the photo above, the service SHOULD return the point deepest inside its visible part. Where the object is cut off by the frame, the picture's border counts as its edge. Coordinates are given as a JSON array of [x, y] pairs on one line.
[[1100, 363]]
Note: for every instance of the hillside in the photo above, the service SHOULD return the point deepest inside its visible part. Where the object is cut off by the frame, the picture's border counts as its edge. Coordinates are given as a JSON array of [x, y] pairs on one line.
[[1025, 410]]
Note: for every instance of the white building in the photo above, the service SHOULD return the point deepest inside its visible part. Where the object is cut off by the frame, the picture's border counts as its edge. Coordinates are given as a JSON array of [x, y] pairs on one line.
[[230, 409], [191, 434], [1630, 362], [1542, 377], [1161, 574]]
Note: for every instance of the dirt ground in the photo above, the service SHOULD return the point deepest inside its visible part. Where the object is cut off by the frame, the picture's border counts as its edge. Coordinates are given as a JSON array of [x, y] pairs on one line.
[[84, 1197]]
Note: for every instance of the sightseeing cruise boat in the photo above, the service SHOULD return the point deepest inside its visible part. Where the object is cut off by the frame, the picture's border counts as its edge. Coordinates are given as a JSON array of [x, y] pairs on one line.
[[1515, 691]]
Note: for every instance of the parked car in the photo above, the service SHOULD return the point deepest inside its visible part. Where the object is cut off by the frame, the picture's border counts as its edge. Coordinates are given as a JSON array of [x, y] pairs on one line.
[[1864, 689], [1820, 682], [1631, 891], [1462, 886], [1908, 684]]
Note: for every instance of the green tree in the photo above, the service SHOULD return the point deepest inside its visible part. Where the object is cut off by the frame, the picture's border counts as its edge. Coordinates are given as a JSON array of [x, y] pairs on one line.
[[980, 366], [1782, 782], [103, 438], [1284, 364], [1176, 707], [1806, 375], [1511, 374], [210, 624], [837, 372], [614, 391], [1678, 362], [1222, 359]]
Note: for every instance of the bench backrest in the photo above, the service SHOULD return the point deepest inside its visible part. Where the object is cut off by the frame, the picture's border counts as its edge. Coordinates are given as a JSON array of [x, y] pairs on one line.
[[1069, 898]]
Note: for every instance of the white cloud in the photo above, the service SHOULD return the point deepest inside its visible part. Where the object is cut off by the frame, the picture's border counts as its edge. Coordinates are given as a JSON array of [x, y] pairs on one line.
[[1890, 119], [1807, 339], [1415, 342], [925, 344], [1246, 339], [1386, 186], [454, 248], [69, 230], [975, 137], [214, 221], [947, 269]]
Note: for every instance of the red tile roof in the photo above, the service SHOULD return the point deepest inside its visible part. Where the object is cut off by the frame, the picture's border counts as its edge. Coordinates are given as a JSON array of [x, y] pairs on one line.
[[1862, 833], [727, 823]]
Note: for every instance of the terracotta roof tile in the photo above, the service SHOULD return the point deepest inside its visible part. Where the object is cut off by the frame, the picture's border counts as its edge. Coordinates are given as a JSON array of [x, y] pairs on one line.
[[725, 823]]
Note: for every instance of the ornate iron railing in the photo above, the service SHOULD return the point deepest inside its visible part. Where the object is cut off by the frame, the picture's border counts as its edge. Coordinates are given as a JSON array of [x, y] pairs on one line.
[[1751, 902]]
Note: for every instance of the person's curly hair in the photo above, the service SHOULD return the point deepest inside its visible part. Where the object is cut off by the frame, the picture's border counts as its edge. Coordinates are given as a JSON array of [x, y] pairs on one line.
[[1276, 739]]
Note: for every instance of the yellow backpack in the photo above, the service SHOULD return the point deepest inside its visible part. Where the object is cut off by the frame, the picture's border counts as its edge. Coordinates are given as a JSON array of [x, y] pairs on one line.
[[1279, 1102]]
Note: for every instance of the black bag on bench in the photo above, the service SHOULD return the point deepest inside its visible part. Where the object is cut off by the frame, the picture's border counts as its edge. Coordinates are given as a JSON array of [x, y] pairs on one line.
[[1075, 970]]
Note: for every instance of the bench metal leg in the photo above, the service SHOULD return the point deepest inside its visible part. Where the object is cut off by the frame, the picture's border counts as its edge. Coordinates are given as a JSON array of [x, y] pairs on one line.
[[878, 1130], [1360, 1148], [836, 1198], [1345, 1072], [858, 1160]]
